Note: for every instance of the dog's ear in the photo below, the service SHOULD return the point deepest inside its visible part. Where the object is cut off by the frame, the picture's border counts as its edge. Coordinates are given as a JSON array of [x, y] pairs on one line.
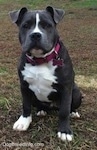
[[17, 16], [57, 14]]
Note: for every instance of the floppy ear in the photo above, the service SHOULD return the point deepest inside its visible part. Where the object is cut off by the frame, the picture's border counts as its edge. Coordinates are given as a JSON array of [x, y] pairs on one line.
[[57, 14], [17, 16]]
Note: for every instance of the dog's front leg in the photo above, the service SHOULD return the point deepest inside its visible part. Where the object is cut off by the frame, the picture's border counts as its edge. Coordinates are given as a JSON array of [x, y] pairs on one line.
[[64, 131], [25, 119]]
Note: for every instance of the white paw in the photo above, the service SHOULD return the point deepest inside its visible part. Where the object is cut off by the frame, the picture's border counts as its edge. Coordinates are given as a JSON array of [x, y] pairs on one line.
[[22, 123], [41, 113], [65, 137], [75, 115]]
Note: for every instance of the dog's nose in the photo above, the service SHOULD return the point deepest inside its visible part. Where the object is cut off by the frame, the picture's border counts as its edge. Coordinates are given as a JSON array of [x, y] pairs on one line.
[[35, 36]]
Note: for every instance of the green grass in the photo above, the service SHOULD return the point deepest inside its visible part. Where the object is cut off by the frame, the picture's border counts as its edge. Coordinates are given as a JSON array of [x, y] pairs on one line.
[[70, 4], [3, 1], [3, 70], [82, 3], [4, 103]]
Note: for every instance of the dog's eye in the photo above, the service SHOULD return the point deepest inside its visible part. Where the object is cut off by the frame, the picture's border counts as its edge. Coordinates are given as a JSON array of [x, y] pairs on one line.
[[45, 25], [27, 25]]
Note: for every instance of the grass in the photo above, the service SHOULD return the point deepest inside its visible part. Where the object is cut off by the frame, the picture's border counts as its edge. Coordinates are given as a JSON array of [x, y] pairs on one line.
[[68, 4], [4, 103], [3, 70], [83, 3], [79, 33]]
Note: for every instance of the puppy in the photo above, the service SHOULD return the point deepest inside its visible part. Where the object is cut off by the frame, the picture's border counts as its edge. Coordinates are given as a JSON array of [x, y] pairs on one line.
[[45, 69]]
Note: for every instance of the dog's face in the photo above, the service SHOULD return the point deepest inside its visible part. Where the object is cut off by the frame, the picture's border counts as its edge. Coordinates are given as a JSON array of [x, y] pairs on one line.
[[37, 29]]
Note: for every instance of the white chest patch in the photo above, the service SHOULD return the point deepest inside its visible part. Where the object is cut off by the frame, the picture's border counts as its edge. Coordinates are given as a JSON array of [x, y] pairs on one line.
[[40, 79]]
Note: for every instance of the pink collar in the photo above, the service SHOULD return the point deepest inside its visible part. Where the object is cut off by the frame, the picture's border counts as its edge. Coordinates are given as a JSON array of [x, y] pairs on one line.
[[53, 56]]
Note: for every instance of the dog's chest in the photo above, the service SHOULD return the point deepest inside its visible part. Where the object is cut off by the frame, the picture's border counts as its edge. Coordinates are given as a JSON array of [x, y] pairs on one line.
[[40, 79]]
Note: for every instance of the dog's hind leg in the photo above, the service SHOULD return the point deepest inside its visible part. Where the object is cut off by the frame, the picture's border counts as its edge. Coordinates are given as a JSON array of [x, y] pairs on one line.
[[42, 109], [76, 101]]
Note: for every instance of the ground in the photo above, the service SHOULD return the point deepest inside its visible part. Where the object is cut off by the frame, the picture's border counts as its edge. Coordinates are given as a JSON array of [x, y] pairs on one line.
[[78, 31]]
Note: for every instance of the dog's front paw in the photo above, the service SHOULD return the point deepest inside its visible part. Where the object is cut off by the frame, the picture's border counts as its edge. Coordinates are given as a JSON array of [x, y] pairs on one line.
[[65, 133], [22, 123], [65, 136]]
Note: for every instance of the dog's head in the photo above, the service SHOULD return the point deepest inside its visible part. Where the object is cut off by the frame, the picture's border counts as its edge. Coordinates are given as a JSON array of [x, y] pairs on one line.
[[37, 29]]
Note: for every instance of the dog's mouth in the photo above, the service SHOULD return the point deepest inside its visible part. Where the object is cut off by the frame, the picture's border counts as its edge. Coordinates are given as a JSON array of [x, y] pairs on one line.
[[39, 53], [36, 52]]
